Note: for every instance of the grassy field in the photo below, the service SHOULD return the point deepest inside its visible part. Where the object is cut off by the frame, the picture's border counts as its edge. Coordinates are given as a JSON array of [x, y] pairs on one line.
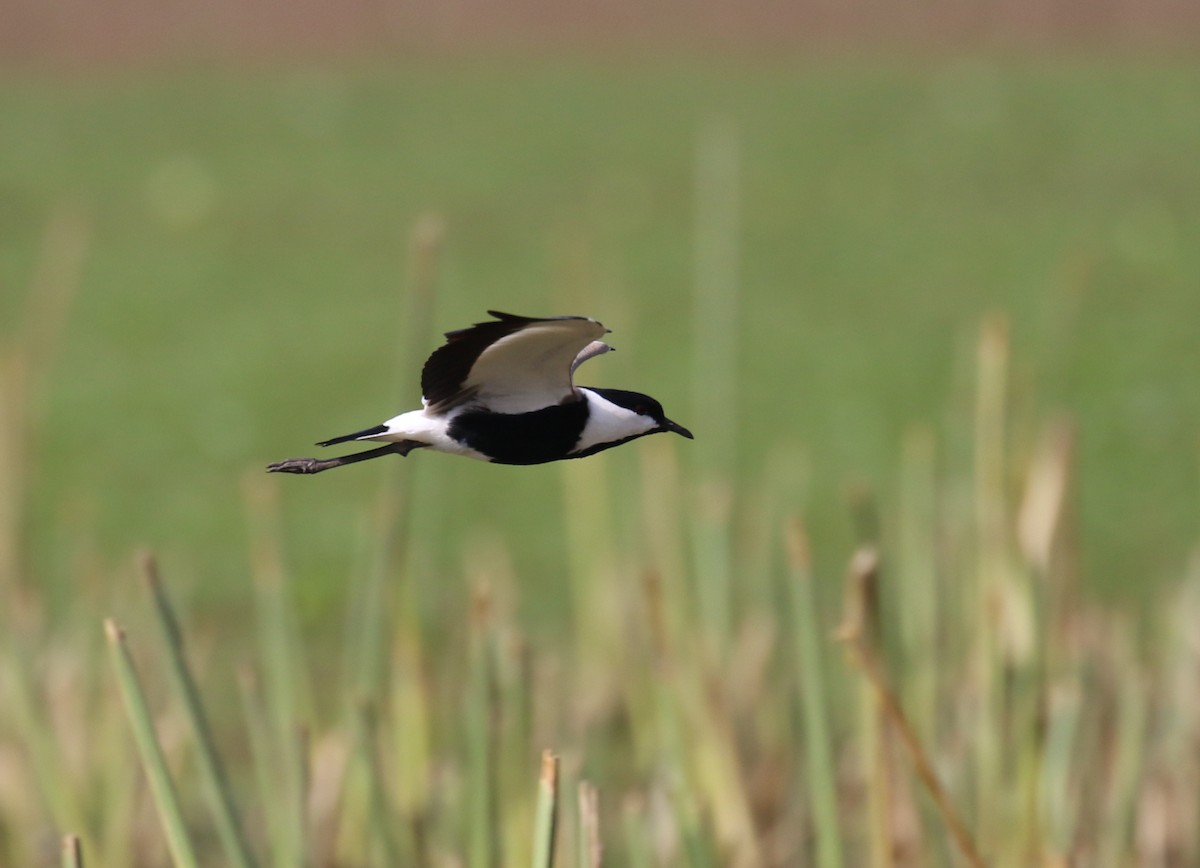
[[242, 289], [959, 299]]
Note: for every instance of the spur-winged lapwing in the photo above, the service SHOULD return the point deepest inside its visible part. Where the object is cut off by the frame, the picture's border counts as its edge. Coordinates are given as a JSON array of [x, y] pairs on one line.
[[502, 391]]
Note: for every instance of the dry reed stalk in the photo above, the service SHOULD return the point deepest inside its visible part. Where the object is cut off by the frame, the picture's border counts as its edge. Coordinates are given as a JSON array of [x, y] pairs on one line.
[[590, 849], [327, 794], [852, 632], [547, 812], [72, 852]]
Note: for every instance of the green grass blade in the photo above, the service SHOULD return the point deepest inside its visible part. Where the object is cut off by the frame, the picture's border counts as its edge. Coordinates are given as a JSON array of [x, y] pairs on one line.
[[917, 599], [712, 559], [1128, 747], [72, 852], [636, 832], [166, 800], [482, 839], [212, 772], [547, 812], [381, 817], [424, 255], [991, 531], [715, 368], [25, 707], [299, 752], [284, 672], [822, 783], [714, 362], [285, 683], [1064, 723], [265, 752], [369, 601], [372, 599]]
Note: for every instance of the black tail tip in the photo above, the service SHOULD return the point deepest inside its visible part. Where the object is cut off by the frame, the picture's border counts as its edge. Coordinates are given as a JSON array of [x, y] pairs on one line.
[[357, 435]]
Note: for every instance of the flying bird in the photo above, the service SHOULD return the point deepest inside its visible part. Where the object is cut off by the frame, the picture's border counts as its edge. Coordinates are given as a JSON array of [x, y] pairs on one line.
[[503, 391]]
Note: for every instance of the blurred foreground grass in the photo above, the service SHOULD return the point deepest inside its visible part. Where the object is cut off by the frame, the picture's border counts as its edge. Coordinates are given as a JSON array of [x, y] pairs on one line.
[[976, 707]]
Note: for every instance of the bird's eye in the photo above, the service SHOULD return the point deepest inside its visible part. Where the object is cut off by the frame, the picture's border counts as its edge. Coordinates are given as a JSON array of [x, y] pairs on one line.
[[642, 410]]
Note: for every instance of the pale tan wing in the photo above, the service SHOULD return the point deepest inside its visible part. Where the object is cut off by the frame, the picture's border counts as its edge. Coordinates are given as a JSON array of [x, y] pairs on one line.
[[514, 365], [531, 369]]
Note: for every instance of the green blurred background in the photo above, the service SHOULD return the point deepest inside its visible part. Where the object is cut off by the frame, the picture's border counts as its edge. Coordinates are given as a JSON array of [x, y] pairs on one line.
[[245, 199]]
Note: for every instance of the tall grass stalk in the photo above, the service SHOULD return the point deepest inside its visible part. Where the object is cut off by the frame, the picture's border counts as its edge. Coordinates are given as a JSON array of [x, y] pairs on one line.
[[715, 367], [286, 680], [717, 253], [852, 632], [636, 833], [72, 852], [400, 567], [818, 770], [166, 798], [992, 565], [547, 813], [482, 836], [284, 670], [590, 849], [212, 771], [14, 465], [28, 714], [374, 601], [382, 828], [919, 596], [26, 359], [595, 572]]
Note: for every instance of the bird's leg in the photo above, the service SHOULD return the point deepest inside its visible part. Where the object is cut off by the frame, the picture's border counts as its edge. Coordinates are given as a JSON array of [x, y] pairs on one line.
[[316, 465]]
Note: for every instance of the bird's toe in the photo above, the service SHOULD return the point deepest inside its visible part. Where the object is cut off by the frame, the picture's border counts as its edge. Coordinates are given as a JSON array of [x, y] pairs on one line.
[[293, 465]]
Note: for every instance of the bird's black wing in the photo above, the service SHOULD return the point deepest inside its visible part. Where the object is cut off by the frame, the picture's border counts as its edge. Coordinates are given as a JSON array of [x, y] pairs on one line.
[[513, 364]]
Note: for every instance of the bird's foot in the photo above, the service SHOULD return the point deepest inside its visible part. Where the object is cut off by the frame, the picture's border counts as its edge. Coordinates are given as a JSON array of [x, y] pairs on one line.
[[316, 465], [300, 465]]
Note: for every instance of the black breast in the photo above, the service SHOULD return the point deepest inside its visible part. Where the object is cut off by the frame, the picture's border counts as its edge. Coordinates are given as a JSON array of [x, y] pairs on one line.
[[522, 438]]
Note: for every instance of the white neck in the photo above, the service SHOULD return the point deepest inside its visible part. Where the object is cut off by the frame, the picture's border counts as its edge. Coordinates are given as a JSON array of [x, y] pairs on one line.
[[609, 423]]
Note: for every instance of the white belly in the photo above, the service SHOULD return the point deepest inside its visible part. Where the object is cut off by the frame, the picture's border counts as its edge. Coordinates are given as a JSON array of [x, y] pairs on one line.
[[430, 430]]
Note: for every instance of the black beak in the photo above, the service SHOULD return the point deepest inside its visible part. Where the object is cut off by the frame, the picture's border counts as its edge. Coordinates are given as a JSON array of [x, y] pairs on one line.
[[668, 425]]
